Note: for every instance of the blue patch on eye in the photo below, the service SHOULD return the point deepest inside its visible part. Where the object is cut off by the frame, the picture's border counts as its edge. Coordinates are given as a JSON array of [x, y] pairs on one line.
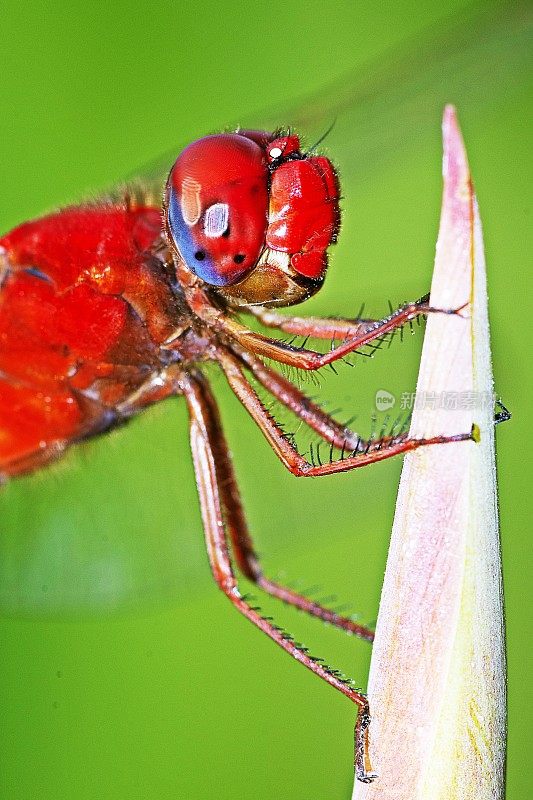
[[195, 256]]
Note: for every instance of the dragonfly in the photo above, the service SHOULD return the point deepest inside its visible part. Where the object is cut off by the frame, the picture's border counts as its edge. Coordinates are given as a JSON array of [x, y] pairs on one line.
[[106, 309], [109, 308]]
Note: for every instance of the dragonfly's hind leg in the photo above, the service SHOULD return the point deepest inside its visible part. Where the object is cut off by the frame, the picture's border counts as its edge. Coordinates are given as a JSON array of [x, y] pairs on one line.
[[209, 451], [243, 547]]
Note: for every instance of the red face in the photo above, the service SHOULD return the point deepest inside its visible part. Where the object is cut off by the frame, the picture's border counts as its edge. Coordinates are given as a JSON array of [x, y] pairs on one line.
[[234, 198]]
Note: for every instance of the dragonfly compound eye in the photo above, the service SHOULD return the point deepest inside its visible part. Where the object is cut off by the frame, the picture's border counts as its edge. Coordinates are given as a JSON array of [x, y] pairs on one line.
[[217, 206]]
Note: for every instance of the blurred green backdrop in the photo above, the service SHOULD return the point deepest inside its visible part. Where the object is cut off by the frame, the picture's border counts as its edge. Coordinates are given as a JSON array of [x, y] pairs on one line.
[[124, 673]]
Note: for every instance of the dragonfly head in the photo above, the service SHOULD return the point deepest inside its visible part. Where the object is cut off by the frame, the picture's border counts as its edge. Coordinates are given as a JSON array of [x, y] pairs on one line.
[[252, 216]]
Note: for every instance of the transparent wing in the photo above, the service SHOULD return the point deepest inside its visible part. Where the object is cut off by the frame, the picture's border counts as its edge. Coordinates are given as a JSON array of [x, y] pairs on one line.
[[473, 60]]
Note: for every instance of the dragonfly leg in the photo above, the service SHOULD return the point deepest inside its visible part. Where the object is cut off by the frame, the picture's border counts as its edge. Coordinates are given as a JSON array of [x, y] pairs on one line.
[[243, 547], [302, 357], [208, 445], [316, 327], [329, 429], [158, 386], [373, 451]]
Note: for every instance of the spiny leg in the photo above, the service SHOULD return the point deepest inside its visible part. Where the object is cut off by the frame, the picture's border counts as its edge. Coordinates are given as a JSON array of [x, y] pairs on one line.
[[333, 432], [286, 451], [301, 357], [33, 461], [207, 443], [334, 328], [247, 558]]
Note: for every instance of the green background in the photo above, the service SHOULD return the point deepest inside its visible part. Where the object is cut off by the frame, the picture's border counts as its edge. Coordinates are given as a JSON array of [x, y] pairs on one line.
[[124, 673]]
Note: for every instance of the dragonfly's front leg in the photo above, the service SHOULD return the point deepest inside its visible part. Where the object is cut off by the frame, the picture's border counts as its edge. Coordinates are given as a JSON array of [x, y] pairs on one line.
[[158, 386], [302, 357], [210, 453], [332, 328]]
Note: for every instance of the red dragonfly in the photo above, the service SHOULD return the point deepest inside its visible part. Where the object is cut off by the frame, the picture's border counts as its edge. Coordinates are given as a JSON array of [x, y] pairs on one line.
[[108, 308]]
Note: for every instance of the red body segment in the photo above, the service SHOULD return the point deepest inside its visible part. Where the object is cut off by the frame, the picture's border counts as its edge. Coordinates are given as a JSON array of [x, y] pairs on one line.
[[73, 342], [76, 244], [304, 213]]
